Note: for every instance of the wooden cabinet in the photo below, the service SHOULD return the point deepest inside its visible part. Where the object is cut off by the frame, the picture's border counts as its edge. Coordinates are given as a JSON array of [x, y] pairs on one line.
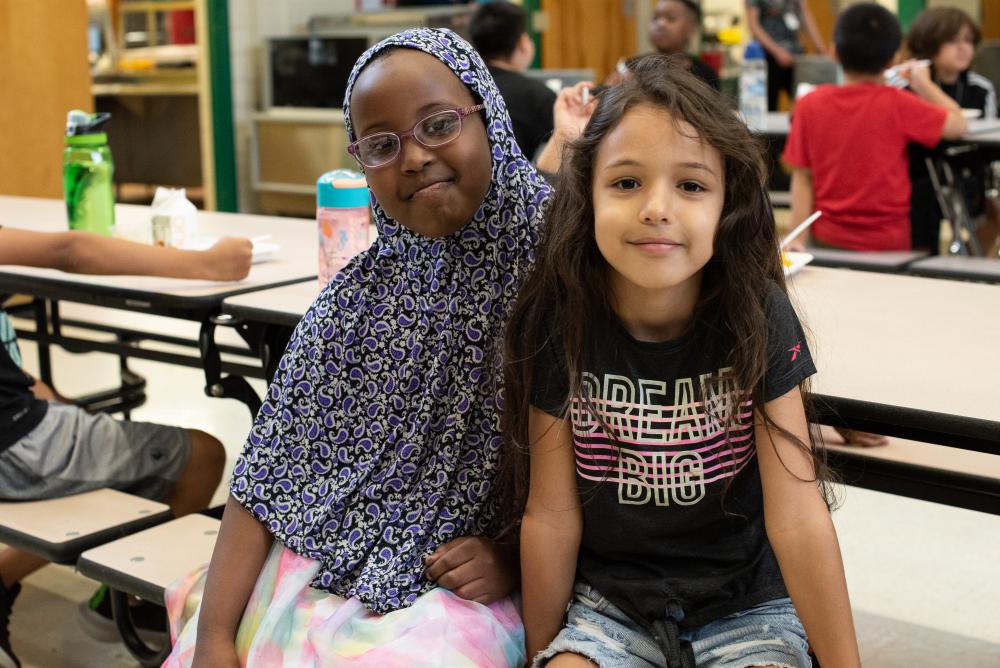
[[590, 34], [43, 74], [290, 149]]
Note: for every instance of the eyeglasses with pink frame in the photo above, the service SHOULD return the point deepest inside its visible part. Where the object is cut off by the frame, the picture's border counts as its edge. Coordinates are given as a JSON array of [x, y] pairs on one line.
[[363, 149]]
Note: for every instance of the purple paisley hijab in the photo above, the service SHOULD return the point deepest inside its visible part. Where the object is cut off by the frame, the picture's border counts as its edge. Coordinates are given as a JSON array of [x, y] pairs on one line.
[[379, 437]]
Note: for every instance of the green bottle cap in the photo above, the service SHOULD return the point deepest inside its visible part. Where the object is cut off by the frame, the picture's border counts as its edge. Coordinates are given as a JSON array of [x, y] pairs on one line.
[[88, 140]]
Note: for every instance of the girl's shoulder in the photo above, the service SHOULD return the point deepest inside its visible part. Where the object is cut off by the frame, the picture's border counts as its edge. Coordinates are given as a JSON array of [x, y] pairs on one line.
[[777, 304]]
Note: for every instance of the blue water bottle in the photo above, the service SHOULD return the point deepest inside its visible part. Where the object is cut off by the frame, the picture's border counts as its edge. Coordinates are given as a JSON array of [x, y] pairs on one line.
[[753, 87]]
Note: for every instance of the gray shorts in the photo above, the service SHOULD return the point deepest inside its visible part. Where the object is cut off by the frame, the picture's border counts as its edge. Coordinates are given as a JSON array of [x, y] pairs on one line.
[[767, 634], [72, 451]]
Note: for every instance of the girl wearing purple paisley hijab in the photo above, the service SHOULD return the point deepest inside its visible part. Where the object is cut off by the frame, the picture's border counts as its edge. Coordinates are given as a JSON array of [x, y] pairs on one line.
[[356, 531]]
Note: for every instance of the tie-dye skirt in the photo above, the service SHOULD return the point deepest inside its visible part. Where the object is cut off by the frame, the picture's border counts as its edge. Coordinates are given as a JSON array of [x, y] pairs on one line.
[[289, 624]]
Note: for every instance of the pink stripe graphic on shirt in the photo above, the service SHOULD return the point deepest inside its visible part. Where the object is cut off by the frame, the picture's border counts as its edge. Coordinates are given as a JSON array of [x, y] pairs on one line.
[[582, 447], [682, 441], [608, 479], [656, 453], [645, 415]]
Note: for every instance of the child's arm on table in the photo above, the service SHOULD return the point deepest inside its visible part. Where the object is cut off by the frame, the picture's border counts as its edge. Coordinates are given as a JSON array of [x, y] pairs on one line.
[[550, 531], [802, 205], [239, 554], [802, 534], [955, 124], [86, 253]]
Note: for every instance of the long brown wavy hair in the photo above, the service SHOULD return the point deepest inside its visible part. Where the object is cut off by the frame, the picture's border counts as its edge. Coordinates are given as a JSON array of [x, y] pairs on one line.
[[567, 297]]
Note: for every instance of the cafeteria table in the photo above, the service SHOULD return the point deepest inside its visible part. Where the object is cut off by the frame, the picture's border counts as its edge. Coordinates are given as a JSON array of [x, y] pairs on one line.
[[273, 313], [194, 300], [910, 357]]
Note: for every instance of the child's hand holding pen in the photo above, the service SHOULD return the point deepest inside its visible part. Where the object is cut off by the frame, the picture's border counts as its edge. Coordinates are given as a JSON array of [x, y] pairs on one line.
[[906, 72], [573, 108]]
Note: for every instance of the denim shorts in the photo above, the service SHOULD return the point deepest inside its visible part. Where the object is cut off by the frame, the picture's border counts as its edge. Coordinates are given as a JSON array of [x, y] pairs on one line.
[[764, 635]]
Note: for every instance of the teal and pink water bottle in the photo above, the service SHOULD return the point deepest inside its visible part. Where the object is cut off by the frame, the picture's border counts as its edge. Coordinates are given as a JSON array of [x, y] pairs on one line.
[[342, 216]]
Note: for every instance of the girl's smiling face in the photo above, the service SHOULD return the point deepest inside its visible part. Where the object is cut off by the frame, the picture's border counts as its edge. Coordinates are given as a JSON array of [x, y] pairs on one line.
[[432, 191], [658, 195]]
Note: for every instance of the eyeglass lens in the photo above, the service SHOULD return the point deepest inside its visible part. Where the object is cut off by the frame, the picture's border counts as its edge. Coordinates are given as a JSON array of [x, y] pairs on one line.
[[435, 130]]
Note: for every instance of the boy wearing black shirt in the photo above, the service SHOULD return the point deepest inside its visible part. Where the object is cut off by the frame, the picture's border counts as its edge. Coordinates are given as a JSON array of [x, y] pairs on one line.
[[499, 31]]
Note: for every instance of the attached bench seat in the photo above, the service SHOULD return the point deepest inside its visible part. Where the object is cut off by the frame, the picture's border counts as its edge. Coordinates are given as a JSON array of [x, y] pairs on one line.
[[60, 529], [144, 564]]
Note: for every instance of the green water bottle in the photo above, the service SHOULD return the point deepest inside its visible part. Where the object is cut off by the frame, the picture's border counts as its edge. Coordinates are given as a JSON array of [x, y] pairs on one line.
[[87, 174]]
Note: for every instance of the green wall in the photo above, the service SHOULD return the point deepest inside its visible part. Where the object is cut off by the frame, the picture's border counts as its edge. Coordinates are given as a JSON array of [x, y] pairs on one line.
[[908, 10]]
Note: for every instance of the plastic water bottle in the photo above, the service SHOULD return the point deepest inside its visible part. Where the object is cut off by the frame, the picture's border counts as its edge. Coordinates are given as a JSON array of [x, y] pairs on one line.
[[342, 216], [87, 174], [753, 87]]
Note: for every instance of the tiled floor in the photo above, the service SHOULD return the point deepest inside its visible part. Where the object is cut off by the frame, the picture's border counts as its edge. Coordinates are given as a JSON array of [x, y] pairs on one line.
[[923, 577]]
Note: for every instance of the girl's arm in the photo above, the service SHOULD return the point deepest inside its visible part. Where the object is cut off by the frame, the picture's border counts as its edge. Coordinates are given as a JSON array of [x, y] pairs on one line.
[[920, 80], [550, 530], [86, 253], [812, 30], [801, 532], [570, 114], [239, 554], [784, 57]]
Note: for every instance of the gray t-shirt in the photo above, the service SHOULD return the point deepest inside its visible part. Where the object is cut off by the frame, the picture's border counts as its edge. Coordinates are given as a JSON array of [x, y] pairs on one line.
[[774, 19]]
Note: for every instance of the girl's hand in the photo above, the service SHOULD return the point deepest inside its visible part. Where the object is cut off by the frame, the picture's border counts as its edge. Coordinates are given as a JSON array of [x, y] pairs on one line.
[[475, 568], [571, 111], [783, 56]]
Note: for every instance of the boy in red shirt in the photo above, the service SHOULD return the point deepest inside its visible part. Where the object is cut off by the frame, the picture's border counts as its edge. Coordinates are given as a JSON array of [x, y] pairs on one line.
[[848, 143]]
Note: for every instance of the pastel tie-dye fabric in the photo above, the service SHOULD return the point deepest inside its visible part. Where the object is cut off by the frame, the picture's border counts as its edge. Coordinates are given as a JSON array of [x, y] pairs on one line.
[[379, 437], [288, 624]]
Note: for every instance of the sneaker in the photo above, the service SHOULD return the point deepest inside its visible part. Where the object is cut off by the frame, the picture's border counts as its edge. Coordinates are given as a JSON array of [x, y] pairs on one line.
[[7, 596], [150, 620]]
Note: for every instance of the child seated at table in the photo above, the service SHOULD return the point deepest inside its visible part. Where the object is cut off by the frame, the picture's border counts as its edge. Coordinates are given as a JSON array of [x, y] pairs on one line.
[[50, 448], [499, 31], [948, 37], [847, 146]]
